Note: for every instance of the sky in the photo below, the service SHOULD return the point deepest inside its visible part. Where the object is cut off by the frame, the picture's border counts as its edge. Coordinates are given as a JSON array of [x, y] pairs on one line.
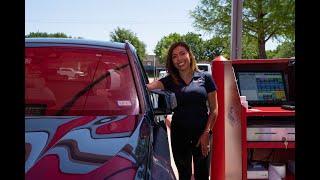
[[150, 20]]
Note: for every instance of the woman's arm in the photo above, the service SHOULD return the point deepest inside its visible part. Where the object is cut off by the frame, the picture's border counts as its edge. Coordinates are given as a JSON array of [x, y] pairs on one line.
[[204, 138], [155, 85], [213, 106]]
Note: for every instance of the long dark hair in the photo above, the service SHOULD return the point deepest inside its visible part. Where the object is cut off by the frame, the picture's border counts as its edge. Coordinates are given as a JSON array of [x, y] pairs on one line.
[[172, 70]]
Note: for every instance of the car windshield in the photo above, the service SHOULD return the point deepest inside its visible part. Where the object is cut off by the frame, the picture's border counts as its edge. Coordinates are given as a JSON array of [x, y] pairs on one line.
[[105, 85]]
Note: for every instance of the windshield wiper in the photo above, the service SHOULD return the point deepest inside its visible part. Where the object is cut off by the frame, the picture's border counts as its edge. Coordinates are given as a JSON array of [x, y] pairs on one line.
[[66, 107]]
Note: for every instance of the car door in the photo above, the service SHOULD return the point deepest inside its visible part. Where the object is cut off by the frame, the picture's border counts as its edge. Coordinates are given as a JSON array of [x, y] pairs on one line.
[[159, 164]]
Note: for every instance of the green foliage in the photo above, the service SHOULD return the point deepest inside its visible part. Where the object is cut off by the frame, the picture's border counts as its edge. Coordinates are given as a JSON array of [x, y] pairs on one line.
[[196, 45], [44, 34], [121, 35], [262, 20], [192, 39], [271, 54], [203, 50], [250, 48], [163, 46], [213, 16], [285, 50], [217, 46]]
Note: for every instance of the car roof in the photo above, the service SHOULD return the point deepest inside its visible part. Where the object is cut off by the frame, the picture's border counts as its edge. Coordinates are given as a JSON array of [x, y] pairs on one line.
[[71, 41]]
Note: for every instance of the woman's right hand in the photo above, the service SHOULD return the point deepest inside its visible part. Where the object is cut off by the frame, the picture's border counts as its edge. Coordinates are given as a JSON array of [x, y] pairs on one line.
[[155, 85]]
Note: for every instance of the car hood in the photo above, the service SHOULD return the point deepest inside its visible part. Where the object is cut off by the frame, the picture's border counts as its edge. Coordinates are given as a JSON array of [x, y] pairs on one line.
[[85, 147]]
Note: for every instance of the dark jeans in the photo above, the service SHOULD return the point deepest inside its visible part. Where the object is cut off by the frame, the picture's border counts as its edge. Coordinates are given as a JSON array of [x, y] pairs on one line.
[[183, 149]]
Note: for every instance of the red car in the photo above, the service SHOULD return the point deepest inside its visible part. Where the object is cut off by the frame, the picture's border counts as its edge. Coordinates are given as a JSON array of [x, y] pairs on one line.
[[103, 124]]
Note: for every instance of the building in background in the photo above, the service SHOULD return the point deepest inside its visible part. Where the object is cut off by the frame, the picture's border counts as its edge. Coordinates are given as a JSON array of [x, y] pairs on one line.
[[152, 65]]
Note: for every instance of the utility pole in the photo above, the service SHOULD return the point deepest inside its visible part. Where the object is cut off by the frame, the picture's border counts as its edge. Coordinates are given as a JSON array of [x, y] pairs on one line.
[[154, 66], [236, 29]]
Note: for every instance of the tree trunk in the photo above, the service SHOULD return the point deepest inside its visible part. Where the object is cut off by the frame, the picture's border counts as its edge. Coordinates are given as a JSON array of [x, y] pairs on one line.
[[261, 31], [262, 48]]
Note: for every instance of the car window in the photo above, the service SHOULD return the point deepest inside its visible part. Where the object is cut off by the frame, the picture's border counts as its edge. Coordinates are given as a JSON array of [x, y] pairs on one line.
[[116, 94], [49, 83]]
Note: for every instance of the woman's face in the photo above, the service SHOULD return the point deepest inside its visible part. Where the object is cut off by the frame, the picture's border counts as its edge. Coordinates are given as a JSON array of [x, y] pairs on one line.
[[180, 58]]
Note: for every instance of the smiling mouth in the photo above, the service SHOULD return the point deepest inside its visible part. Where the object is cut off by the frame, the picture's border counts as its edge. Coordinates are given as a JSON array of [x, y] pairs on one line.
[[181, 64]]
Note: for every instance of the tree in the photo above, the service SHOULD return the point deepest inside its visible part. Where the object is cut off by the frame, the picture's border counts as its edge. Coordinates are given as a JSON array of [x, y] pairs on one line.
[[121, 35], [44, 34], [50, 35], [250, 48], [271, 53], [203, 50], [262, 20], [216, 46], [196, 45], [163, 46], [284, 50]]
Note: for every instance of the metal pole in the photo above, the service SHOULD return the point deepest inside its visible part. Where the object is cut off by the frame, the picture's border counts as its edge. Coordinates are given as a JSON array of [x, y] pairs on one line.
[[154, 67], [236, 29]]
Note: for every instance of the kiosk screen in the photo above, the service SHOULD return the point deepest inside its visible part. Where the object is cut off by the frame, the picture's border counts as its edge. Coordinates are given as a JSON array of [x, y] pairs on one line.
[[262, 88]]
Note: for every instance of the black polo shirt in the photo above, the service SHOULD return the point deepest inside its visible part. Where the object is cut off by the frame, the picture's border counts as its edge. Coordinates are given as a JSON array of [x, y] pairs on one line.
[[191, 113]]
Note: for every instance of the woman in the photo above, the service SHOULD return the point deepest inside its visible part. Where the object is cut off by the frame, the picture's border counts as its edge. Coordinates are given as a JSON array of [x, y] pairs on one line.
[[191, 124]]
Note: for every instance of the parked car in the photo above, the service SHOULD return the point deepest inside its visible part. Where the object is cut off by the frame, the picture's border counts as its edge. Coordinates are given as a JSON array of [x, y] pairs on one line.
[[105, 125], [205, 67], [162, 74], [70, 72]]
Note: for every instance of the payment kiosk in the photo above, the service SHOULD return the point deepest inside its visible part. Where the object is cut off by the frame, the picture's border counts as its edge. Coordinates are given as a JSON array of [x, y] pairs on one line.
[[254, 135]]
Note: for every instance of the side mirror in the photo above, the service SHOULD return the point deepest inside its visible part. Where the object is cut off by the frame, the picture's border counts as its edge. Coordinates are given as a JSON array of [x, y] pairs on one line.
[[163, 101]]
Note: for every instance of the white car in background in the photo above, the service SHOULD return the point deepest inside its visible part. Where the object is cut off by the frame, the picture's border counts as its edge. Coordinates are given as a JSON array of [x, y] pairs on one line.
[[70, 72], [205, 67], [162, 74]]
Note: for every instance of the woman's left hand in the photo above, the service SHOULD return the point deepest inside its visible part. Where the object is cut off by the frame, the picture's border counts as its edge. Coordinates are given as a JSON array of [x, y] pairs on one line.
[[204, 142], [168, 120]]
